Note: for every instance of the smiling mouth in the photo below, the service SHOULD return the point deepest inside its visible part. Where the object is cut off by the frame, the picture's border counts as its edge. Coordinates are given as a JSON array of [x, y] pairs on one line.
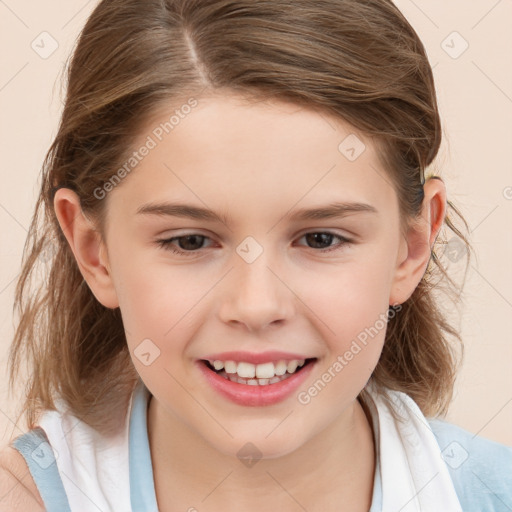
[[258, 375]]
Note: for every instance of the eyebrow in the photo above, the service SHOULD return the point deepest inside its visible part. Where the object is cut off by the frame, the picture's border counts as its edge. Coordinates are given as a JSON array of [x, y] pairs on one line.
[[330, 211]]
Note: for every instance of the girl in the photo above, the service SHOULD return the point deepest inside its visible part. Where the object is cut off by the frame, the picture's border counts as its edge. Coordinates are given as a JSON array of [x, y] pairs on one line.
[[293, 357]]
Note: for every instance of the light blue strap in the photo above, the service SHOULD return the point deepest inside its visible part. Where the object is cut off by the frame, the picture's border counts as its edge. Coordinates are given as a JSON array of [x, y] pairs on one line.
[[38, 454], [142, 487]]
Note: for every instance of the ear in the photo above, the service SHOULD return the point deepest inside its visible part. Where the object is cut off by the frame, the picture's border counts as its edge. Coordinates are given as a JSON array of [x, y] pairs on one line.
[[87, 246], [415, 250]]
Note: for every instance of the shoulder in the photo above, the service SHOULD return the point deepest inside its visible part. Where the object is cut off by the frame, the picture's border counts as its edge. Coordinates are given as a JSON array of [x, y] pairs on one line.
[[18, 490], [481, 469]]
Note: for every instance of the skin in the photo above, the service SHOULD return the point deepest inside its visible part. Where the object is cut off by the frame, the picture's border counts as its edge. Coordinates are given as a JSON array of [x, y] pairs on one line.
[[256, 162]]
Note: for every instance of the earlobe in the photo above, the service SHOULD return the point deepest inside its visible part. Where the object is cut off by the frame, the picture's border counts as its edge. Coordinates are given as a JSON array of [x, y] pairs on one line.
[[86, 244], [416, 250]]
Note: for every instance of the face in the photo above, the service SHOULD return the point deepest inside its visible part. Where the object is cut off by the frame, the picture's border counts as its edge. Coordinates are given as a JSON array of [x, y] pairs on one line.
[[259, 281]]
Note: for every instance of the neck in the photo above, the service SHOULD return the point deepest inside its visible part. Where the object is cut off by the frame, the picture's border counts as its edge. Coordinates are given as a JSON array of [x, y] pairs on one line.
[[336, 466]]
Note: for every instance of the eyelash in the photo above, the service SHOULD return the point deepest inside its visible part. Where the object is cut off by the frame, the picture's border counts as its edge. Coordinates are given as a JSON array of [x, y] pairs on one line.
[[167, 243]]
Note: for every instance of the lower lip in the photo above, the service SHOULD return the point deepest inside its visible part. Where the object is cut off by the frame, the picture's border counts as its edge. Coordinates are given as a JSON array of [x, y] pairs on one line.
[[256, 396]]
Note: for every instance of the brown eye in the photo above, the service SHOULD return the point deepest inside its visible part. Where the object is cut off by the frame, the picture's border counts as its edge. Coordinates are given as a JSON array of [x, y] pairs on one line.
[[322, 241], [187, 244]]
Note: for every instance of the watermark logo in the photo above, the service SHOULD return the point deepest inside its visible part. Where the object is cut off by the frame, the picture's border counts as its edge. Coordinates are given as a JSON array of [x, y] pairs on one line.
[[454, 455], [351, 147], [249, 249], [454, 45], [44, 455], [454, 249], [147, 352], [249, 455], [45, 45]]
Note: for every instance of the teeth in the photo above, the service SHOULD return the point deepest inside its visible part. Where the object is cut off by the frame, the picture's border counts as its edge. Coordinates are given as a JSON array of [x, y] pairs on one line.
[[230, 366], [262, 373], [218, 365], [280, 368], [292, 366], [233, 377], [246, 370]]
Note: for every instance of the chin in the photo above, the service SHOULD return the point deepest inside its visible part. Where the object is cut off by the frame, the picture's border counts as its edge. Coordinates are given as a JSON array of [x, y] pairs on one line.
[[258, 445]]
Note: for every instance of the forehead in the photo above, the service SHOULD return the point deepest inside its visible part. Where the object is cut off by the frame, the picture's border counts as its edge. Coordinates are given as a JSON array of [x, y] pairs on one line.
[[252, 154]]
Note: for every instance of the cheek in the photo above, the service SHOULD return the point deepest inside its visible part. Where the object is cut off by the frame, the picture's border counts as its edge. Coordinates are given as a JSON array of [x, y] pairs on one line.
[[348, 299], [353, 315], [163, 310], [153, 295], [156, 308]]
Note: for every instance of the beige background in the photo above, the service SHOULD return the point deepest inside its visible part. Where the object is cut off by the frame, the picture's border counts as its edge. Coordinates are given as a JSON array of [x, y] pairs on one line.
[[475, 97]]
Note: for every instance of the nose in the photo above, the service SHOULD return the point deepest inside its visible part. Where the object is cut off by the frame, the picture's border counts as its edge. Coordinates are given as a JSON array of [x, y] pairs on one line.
[[256, 296]]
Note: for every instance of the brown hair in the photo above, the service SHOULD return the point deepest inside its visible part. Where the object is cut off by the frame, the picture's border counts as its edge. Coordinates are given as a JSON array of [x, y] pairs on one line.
[[359, 61]]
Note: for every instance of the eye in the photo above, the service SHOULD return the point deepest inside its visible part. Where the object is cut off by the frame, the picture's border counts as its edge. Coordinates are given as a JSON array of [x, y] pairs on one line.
[[325, 238], [190, 244]]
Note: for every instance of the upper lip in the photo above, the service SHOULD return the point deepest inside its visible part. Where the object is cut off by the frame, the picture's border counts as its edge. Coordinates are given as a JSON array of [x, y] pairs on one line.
[[255, 358]]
